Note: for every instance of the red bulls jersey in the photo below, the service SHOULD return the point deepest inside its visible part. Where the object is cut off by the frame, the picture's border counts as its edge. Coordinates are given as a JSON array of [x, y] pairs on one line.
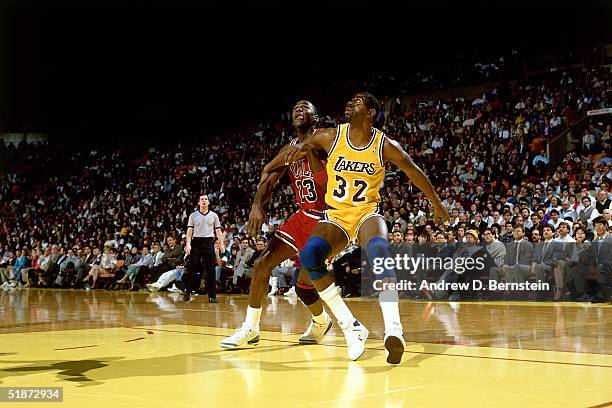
[[310, 195]]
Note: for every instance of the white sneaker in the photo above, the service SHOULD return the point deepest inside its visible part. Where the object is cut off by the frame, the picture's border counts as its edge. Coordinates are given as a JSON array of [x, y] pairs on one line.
[[243, 335], [291, 292], [394, 347], [356, 337], [153, 287], [315, 332], [174, 289], [12, 284]]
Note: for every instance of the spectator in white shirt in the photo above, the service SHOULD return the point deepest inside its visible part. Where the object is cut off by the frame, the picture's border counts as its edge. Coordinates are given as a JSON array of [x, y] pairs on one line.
[[567, 211], [555, 220], [564, 233]]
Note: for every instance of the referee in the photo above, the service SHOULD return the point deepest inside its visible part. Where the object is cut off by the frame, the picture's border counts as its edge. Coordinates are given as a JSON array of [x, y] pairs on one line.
[[202, 227]]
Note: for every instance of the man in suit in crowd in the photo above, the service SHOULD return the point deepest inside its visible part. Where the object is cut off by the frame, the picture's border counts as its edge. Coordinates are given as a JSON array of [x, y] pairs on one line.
[[602, 251], [517, 263], [546, 257]]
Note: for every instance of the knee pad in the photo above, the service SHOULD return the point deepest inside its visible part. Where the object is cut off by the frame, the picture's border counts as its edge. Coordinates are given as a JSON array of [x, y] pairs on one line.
[[378, 247], [307, 294], [312, 257]]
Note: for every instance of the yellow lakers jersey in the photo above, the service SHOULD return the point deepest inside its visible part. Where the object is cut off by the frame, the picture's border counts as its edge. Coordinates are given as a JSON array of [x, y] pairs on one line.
[[354, 175]]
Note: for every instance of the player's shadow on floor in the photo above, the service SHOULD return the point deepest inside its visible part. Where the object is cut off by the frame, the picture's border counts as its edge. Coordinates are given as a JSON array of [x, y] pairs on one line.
[[92, 372]]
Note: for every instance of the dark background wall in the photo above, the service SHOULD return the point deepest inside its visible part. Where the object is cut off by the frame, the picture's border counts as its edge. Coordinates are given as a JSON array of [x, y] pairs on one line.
[[155, 69]]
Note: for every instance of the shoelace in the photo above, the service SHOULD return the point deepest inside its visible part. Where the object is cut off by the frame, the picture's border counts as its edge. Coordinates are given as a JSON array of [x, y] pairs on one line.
[[241, 330], [359, 334], [312, 327]]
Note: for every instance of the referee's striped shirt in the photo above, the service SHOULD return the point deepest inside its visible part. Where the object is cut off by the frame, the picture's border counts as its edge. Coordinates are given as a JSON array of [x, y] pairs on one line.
[[204, 224]]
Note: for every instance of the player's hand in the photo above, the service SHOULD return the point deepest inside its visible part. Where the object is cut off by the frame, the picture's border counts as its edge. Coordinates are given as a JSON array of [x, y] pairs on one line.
[[296, 152], [257, 218], [285, 149], [441, 214], [187, 249]]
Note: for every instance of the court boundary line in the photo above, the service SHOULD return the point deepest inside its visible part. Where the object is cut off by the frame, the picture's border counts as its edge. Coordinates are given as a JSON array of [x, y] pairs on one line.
[[507, 348]]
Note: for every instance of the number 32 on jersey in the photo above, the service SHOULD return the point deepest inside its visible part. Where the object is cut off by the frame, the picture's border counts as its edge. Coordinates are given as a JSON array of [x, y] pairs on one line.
[[344, 190]]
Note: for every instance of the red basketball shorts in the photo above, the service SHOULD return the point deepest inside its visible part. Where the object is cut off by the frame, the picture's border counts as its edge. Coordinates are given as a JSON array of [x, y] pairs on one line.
[[297, 229]]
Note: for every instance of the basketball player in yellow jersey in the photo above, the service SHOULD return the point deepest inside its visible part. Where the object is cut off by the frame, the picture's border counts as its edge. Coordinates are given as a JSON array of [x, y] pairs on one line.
[[355, 169]]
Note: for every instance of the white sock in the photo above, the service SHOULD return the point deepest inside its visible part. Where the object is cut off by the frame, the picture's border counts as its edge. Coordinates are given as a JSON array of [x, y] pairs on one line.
[[389, 305], [252, 318], [320, 319], [332, 298]]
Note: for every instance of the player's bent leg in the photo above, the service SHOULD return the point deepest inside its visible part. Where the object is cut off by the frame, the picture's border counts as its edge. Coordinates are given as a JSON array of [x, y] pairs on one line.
[[311, 297], [248, 334], [328, 239], [373, 233], [321, 321], [275, 252]]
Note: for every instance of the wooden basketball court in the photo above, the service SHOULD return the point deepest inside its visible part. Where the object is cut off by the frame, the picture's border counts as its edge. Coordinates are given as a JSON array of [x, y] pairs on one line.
[[126, 349]]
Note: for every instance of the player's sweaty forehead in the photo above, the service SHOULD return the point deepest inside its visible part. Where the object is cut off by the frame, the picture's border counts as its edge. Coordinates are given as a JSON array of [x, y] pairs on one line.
[[358, 98], [304, 104]]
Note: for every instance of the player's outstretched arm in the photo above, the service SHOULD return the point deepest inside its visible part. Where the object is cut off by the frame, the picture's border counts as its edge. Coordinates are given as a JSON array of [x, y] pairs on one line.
[[268, 180], [394, 153]]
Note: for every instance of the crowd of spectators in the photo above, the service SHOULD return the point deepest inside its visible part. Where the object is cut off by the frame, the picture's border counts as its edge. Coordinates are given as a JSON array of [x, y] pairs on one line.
[[87, 211]]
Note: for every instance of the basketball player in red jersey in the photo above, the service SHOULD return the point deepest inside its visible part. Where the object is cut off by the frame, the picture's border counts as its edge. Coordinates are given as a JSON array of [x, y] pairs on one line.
[[308, 179]]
